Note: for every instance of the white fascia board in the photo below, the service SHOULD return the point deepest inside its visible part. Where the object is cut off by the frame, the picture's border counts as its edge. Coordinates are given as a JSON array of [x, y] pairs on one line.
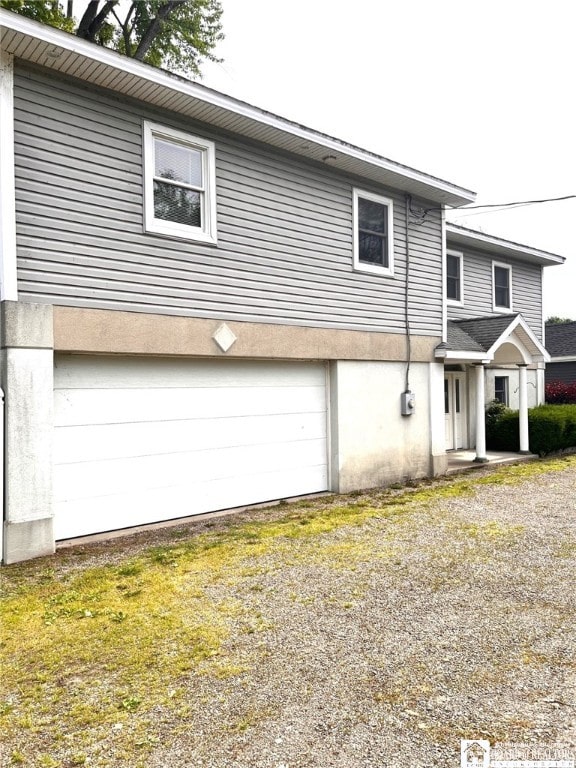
[[498, 245], [69, 43], [519, 321], [563, 359], [469, 357]]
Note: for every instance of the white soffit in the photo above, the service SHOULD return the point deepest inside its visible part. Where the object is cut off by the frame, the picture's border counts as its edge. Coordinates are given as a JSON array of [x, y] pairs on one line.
[[70, 55]]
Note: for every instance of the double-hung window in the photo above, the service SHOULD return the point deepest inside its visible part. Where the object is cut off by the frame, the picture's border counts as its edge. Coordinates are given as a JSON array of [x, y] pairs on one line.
[[373, 235], [502, 287], [179, 184], [454, 286], [501, 389]]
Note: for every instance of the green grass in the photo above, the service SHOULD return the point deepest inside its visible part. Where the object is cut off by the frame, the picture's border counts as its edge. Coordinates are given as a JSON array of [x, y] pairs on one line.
[[91, 654]]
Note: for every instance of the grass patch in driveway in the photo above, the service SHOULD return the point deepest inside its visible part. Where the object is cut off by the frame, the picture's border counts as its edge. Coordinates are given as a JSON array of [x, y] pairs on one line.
[[96, 657], [91, 654]]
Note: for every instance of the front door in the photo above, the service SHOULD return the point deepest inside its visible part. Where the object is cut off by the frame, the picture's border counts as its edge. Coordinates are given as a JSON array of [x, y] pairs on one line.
[[454, 410]]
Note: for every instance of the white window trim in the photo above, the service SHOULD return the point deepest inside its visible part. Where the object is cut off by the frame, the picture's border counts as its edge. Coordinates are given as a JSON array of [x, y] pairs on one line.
[[205, 234], [459, 255], [373, 268], [497, 307], [506, 380]]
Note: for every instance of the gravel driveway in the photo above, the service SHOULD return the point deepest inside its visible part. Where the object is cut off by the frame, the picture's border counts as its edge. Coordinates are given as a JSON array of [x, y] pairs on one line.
[[374, 630], [456, 620]]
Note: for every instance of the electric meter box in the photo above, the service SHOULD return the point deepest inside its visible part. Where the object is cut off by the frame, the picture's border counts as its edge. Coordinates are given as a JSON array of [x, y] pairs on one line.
[[407, 403]]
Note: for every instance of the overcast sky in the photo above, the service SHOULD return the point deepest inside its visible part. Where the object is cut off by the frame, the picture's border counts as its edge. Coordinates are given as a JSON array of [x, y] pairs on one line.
[[481, 94]]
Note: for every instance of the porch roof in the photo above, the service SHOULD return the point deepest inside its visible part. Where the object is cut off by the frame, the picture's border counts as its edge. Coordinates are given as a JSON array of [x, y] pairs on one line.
[[477, 340]]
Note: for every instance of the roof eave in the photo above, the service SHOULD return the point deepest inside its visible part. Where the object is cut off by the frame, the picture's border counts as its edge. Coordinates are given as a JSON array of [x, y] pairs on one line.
[[68, 54], [456, 235], [562, 358], [455, 355]]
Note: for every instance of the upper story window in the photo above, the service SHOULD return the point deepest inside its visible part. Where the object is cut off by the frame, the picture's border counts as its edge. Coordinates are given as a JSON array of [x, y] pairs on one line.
[[501, 287], [179, 184], [373, 235], [454, 283]]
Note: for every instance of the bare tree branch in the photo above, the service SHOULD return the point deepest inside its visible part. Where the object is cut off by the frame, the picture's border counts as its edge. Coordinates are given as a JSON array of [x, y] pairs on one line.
[[126, 31]]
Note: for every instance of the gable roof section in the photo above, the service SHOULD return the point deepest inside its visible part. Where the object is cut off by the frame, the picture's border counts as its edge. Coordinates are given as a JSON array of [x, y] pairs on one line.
[[70, 55], [478, 339], [497, 247], [561, 339], [459, 339], [485, 330]]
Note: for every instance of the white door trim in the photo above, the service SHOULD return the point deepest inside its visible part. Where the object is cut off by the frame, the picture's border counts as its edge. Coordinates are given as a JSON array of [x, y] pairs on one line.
[[455, 414]]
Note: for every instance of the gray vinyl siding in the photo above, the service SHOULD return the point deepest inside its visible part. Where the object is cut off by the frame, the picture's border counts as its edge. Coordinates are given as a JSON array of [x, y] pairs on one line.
[[564, 372], [477, 289], [284, 252]]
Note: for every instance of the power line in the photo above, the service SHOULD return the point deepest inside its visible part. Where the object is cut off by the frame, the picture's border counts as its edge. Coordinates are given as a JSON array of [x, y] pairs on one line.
[[516, 202]]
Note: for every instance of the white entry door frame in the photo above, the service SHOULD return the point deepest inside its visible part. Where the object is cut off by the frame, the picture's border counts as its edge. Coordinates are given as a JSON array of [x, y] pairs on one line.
[[455, 410]]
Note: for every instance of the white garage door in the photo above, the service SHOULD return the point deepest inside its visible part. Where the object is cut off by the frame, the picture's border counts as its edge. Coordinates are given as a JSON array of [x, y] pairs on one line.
[[140, 441]]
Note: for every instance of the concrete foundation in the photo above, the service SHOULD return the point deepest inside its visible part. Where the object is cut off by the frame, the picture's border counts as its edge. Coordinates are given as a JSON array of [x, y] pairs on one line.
[[26, 374], [30, 538]]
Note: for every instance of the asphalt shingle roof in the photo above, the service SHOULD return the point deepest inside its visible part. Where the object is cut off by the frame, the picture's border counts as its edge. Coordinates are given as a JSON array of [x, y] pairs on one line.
[[561, 339], [459, 339], [477, 334]]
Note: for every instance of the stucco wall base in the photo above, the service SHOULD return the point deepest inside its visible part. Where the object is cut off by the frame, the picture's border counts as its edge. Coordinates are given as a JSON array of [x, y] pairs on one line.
[[438, 465], [102, 331], [373, 445], [28, 539]]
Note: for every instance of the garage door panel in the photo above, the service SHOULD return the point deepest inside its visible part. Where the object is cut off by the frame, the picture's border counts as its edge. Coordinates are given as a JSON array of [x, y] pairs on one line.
[[85, 372], [127, 455], [112, 441], [152, 505], [103, 478], [133, 405]]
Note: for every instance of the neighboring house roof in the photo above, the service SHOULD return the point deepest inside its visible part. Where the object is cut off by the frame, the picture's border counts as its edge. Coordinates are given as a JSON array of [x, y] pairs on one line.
[[69, 55], [561, 339], [478, 339], [457, 236]]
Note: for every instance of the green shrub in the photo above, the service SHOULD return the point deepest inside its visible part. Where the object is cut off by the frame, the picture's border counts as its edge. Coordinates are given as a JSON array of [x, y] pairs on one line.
[[550, 428], [494, 412], [502, 431]]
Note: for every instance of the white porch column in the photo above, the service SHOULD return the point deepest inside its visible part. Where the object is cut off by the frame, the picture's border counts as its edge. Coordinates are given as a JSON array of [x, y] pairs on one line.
[[523, 408], [480, 417]]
